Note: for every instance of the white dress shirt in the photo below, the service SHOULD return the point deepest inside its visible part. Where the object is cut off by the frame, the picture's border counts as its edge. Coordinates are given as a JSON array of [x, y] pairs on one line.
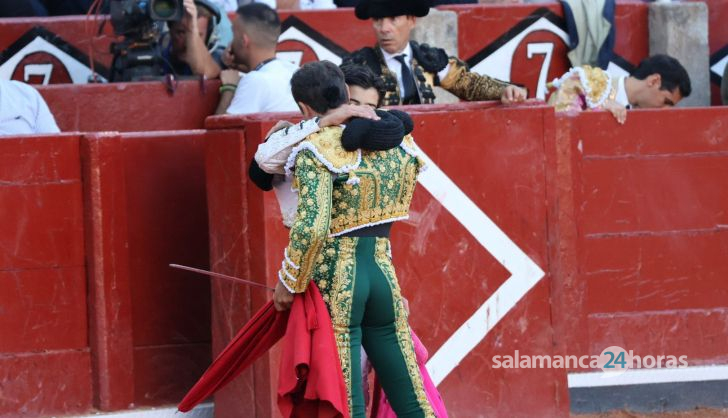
[[228, 6], [622, 93], [316, 4], [267, 89], [270, 3], [23, 110], [272, 155], [396, 68]]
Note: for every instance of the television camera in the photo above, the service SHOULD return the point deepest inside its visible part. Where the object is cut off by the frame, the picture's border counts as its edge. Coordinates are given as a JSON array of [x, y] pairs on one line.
[[138, 56]]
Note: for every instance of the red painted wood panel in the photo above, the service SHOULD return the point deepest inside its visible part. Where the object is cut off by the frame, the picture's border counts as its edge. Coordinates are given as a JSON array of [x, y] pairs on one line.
[[43, 227], [499, 163], [42, 218], [648, 213], [38, 160], [174, 368], [230, 254], [43, 309], [663, 195], [167, 223], [696, 333], [45, 384], [44, 357], [107, 250], [128, 107], [687, 132], [146, 208], [482, 165], [654, 273]]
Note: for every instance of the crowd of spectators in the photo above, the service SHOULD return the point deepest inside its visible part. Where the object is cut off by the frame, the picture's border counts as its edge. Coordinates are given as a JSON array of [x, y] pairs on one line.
[[255, 80]]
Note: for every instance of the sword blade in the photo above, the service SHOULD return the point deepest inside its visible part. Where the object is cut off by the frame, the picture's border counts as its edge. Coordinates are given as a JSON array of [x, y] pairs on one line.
[[221, 276]]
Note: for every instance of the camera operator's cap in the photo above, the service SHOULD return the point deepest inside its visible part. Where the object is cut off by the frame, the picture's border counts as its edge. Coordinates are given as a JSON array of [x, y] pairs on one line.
[[373, 9]]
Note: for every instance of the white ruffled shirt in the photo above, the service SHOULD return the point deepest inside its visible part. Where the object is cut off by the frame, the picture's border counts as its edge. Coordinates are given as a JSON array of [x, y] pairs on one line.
[[272, 156]]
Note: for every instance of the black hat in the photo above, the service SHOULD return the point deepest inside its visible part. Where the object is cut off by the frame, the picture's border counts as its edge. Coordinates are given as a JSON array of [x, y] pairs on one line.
[[367, 9]]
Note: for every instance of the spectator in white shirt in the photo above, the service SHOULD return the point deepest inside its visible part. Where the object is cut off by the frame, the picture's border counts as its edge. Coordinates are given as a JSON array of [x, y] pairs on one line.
[[227, 5], [296, 4], [23, 110], [266, 87]]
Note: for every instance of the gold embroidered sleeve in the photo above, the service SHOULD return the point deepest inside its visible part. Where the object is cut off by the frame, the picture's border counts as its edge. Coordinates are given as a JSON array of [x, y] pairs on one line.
[[471, 86], [311, 227]]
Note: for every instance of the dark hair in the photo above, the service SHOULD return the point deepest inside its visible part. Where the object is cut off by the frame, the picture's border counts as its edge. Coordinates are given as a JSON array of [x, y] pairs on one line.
[[265, 25], [320, 85], [673, 74], [362, 76]]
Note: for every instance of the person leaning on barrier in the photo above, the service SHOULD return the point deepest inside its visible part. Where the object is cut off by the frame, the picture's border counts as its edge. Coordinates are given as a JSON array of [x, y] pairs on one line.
[[659, 81], [23, 110], [192, 49], [411, 70]]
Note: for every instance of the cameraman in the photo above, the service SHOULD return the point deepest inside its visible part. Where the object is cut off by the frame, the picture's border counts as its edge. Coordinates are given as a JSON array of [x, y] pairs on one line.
[[188, 52]]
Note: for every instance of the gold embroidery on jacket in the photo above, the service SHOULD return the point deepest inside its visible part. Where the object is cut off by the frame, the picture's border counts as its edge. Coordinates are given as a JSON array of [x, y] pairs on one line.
[[471, 86]]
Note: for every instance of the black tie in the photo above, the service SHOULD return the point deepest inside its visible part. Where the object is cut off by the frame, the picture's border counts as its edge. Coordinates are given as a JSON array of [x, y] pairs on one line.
[[409, 95]]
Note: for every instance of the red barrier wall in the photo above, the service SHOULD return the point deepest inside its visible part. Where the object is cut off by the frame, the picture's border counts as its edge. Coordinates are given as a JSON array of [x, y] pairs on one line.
[[642, 225], [127, 107], [167, 223], [627, 222], [498, 40], [433, 251], [44, 350], [125, 330], [154, 186]]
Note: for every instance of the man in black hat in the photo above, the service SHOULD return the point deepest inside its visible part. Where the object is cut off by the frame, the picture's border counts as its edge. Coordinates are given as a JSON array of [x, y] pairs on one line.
[[410, 70]]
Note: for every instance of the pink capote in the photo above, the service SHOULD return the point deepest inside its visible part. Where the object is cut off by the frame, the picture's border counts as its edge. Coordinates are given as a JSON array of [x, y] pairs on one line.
[[382, 409]]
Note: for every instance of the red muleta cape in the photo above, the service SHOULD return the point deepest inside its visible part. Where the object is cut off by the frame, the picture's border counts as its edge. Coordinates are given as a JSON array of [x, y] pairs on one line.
[[311, 383]]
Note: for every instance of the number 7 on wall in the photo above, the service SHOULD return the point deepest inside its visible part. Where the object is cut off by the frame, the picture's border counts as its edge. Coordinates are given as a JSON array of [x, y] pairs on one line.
[[545, 49]]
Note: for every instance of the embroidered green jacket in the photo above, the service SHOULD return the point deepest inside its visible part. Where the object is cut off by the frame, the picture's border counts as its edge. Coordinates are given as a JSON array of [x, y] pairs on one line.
[[342, 191]]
